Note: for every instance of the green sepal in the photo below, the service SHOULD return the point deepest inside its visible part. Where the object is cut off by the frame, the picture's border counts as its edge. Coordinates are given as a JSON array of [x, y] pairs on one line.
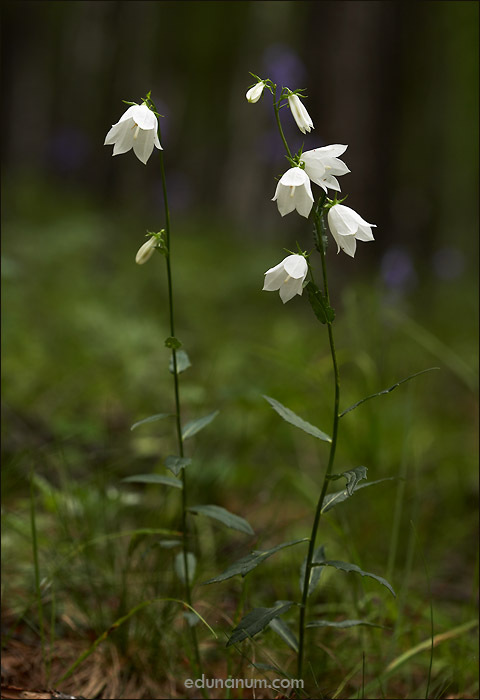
[[322, 310]]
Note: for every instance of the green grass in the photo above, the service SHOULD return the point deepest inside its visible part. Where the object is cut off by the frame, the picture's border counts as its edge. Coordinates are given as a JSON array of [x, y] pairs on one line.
[[84, 359]]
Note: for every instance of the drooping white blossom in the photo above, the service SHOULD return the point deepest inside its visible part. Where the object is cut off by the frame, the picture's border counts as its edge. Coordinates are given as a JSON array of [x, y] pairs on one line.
[[136, 129], [348, 227], [322, 164], [146, 251], [288, 277], [255, 92], [294, 192], [300, 114]]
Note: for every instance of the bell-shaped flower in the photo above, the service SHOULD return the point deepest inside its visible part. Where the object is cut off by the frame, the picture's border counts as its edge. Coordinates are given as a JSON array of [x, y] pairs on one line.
[[136, 129], [294, 192], [322, 164], [146, 251], [348, 227], [288, 277], [255, 92], [300, 114]]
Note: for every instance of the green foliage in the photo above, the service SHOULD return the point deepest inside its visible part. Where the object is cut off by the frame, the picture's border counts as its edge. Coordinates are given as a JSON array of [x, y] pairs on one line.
[[295, 420], [349, 568], [246, 564], [154, 479], [150, 419], [194, 426], [257, 620], [224, 516], [322, 310], [180, 566], [176, 464], [315, 573], [183, 362]]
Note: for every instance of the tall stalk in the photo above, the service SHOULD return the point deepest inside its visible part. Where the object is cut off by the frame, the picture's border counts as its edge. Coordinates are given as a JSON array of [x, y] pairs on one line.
[[178, 417], [320, 245], [319, 228]]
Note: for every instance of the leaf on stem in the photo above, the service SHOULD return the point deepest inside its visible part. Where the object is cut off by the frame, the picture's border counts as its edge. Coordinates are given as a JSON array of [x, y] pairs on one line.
[[283, 630], [154, 479], [318, 301], [332, 499], [224, 516], [244, 565], [353, 476], [353, 568], [194, 426], [295, 420], [256, 620], [386, 391], [176, 464], [343, 624], [183, 362], [315, 573], [151, 419], [180, 566]]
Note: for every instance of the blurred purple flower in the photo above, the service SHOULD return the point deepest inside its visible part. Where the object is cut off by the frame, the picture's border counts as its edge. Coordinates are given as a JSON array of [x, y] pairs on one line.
[[283, 65], [448, 263], [69, 149], [397, 269]]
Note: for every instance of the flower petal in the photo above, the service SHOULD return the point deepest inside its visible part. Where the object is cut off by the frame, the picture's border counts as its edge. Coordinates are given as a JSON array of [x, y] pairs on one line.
[[290, 288], [294, 177], [304, 199], [274, 278], [331, 151], [144, 117], [114, 134], [285, 202], [125, 142], [364, 233], [331, 182], [341, 221], [296, 266], [143, 145]]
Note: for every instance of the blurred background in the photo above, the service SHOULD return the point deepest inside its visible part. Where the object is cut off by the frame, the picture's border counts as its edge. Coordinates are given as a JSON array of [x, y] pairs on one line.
[[84, 327]]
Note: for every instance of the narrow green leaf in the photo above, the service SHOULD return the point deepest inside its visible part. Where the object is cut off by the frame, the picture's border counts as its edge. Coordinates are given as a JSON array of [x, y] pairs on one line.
[[176, 464], [154, 479], [343, 624], [353, 477], [183, 363], [386, 391], [256, 620], [224, 516], [295, 420], [353, 568], [194, 426], [283, 630], [319, 304], [244, 565], [180, 566], [332, 499], [151, 419], [315, 573]]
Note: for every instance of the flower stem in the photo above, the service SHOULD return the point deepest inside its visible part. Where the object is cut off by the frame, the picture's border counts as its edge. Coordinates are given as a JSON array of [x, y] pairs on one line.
[[320, 227], [279, 123], [188, 593]]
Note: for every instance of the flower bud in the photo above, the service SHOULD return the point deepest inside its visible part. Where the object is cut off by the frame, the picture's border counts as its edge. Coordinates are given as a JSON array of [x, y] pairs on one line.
[[300, 114], [146, 251], [255, 92]]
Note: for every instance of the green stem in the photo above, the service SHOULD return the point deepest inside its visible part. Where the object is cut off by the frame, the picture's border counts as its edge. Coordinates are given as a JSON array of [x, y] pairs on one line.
[[36, 568], [178, 419], [279, 123], [319, 227]]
